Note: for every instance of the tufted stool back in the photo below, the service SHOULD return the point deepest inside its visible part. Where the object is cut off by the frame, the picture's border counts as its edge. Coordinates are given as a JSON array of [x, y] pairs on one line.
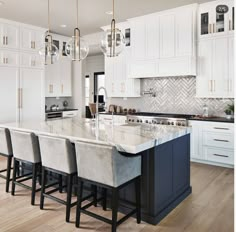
[[5, 142], [58, 154], [105, 165], [25, 146]]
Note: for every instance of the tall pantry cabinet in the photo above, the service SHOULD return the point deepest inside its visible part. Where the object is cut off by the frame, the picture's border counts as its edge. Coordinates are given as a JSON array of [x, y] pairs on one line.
[[21, 72]]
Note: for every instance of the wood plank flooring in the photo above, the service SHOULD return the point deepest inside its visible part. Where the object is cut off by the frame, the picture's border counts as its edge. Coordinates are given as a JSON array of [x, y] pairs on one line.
[[210, 208]]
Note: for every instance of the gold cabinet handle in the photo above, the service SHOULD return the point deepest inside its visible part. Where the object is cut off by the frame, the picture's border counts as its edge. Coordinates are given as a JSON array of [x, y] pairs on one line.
[[6, 60], [214, 28], [6, 40], [52, 88], [62, 88], [31, 46], [230, 25], [18, 97]]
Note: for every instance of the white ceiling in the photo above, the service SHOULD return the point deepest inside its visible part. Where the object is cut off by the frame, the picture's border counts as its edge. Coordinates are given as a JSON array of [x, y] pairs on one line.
[[91, 12]]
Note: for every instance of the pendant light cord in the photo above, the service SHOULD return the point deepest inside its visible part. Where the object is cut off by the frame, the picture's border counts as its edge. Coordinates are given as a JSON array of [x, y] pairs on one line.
[[48, 16], [77, 13], [113, 10]]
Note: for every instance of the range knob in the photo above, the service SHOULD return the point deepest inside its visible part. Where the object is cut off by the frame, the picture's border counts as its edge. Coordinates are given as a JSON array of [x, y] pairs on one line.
[[179, 124], [154, 122], [133, 120], [138, 121], [146, 121], [168, 123], [172, 123], [129, 120], [141, 121]]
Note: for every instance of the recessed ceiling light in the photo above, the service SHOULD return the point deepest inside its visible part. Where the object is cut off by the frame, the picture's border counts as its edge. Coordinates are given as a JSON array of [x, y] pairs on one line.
[[110, 12], [63, 25], [2, 3]]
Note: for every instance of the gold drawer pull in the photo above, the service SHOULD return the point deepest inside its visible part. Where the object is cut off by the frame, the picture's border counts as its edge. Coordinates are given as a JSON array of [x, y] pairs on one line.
[[225, 156], [221, 128], [221, 140]]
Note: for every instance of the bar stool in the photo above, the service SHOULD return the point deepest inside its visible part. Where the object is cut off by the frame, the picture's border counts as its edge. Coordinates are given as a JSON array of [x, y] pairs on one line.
[[26, 150], [58, 156], [105, 166], [6, 151]]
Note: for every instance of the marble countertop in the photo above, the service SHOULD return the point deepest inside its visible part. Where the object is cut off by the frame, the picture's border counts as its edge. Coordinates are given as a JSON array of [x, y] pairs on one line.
[[130, 138]]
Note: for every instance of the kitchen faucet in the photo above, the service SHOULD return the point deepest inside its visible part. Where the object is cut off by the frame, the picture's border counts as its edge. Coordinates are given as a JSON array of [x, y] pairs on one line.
[[101, 88]]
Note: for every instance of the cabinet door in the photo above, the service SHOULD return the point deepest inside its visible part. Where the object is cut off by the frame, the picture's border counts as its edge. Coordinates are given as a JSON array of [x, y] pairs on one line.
[[109, 76], [31, 39], [205, 26], [9, 58], [65, 74], [8, 94], [231, 18], [31, 60], [231, 67], [184, 33], [32, 94], [138, 39], [167, 36], [10, 36], [220, 67], [52, 80], [204, 77]]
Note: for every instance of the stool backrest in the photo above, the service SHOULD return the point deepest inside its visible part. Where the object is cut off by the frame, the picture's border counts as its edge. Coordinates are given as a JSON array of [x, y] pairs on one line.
[[105, 165], [5, 142], [25, 146], [58, 154]]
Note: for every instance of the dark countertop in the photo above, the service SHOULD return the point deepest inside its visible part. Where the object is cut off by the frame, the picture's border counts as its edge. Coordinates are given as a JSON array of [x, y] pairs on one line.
[[60, 110], [187, 116], [212, 119]]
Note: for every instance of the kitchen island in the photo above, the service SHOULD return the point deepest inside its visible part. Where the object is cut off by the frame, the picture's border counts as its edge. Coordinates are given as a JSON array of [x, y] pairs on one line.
[[165, 152]]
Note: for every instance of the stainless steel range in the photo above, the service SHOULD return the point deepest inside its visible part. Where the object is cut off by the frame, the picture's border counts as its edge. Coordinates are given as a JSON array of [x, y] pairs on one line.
[[162, 119]]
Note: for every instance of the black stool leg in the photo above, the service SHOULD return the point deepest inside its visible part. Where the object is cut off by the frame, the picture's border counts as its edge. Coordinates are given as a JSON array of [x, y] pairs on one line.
[[115, 196], [34, 180], [79, 201], [44, 173], [60, 183], [138, 199], [15, 167], [69, 192], [9, 160], [104, 200], [95, 192]]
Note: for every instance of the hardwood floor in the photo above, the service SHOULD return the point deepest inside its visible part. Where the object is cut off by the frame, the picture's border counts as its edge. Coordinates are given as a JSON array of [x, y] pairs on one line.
[[210, 208]]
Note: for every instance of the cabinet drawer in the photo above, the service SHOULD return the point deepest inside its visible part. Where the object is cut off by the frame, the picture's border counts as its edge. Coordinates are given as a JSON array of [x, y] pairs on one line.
[[219, 155], [69, 114], [219, 127], [218, 140]]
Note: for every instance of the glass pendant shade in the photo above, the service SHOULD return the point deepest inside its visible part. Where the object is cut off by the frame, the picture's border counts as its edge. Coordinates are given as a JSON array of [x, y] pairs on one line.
[[113, 42], [77, 48], [50, 52]]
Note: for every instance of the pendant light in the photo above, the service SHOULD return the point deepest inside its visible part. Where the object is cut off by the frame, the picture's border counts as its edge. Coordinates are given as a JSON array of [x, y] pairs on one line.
[[77, 48], [113, 41], [50, 52]]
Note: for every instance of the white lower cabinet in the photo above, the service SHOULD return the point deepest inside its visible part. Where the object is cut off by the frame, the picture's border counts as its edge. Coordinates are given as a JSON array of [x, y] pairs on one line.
[[22, 94], [8, 94], [31, 86], [69, 114], [212, 142]]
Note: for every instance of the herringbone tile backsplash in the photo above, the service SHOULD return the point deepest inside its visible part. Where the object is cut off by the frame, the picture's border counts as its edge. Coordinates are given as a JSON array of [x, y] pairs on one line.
[[173, 95]]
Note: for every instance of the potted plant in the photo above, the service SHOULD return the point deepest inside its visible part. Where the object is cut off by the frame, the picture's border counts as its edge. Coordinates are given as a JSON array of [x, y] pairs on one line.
[[229, 111]]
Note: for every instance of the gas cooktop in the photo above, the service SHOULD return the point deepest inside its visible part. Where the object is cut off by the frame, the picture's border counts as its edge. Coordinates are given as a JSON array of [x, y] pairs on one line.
[[148, 114]]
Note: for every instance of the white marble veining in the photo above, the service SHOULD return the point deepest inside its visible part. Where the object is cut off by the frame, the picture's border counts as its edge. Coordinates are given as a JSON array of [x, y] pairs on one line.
[[127, 138]]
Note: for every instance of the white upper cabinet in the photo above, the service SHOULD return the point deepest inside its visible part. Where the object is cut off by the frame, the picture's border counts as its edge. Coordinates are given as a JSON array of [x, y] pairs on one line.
[[212, 23], [31, 60], [31, 39], [215, 77], [9, 58], [163, 40], [117, 68], [9, 35], [167, 35]]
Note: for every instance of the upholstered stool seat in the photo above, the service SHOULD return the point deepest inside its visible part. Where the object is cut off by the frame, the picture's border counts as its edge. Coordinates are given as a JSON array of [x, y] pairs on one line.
[[106, 167], [6, 151], [58, 156], [26, 150]]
